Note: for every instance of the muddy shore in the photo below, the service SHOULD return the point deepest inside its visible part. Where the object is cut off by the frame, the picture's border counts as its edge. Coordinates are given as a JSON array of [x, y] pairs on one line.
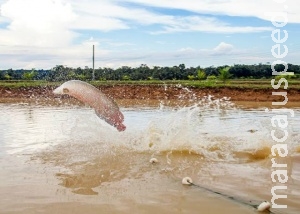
[[161, 92]]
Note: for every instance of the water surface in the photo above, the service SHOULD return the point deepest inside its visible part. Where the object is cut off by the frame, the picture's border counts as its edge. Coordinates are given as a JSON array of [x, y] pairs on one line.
[[64, 159]]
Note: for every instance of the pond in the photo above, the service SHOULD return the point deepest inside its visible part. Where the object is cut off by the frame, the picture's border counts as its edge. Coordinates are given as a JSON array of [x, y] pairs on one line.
[[57, 158]]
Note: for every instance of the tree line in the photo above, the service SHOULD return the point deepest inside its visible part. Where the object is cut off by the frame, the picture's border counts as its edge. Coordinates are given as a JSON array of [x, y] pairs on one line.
[[144, 72]]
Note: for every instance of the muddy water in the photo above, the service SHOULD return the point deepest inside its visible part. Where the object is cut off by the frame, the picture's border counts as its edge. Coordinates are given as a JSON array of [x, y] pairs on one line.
[[63, 159]]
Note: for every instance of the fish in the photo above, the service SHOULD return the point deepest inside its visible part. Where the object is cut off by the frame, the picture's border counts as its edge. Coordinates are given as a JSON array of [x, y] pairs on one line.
[[105, 107]]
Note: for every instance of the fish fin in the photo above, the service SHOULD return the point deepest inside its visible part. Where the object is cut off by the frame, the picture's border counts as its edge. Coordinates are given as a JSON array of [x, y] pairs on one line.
[[104, 118], [119, 126]]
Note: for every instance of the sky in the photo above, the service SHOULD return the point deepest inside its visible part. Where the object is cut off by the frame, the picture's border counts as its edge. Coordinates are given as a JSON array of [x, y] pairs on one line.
[[41, 34]]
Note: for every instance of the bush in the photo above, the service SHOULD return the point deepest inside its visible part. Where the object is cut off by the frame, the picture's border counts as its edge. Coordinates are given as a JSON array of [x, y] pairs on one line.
[[287, 77], [126, 77], [224, 74], [201, 75], [211, 78], [191, 77]]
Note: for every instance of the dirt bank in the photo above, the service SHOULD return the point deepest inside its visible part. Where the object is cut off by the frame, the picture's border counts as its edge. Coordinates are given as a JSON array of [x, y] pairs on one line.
[[160, 92]]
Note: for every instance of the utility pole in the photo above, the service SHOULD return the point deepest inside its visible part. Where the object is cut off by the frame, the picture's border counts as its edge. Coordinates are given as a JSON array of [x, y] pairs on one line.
[[93, 78]]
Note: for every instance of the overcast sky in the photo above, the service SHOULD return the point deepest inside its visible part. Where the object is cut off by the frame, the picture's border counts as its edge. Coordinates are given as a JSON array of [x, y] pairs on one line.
[[45, 33]]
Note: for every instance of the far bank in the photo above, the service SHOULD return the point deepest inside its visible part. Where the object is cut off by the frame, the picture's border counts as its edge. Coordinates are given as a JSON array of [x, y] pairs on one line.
[[171, 91]]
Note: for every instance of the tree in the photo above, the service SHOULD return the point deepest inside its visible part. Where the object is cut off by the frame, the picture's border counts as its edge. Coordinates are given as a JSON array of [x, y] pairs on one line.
[[30, 75], [201, 75], [2, 75], [143, 72], [7, 77], [224, 74], [211, 71]]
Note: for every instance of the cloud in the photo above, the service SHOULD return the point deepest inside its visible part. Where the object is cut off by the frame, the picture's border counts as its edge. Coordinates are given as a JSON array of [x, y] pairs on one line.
[[243, 8], [58, 23], [43, 33], [105, 16], [36, 23], [223, 48], [204, 24]]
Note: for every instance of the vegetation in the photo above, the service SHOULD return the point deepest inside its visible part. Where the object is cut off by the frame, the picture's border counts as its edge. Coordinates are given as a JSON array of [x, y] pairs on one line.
[[201, 74], [210, 82], [143, 72], [224, 74]]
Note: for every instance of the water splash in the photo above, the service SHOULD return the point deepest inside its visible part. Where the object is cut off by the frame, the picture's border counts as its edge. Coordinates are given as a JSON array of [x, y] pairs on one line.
[[213, 129]]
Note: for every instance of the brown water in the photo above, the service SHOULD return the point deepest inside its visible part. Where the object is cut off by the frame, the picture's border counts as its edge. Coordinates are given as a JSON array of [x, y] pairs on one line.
[[63, 159]]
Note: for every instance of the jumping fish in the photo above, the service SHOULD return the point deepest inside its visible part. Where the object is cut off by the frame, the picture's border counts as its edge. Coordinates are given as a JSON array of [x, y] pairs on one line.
[[105, 108]]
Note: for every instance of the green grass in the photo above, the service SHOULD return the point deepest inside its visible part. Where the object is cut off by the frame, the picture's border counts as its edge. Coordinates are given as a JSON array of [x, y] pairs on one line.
[[235, 83], [26, 83]]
